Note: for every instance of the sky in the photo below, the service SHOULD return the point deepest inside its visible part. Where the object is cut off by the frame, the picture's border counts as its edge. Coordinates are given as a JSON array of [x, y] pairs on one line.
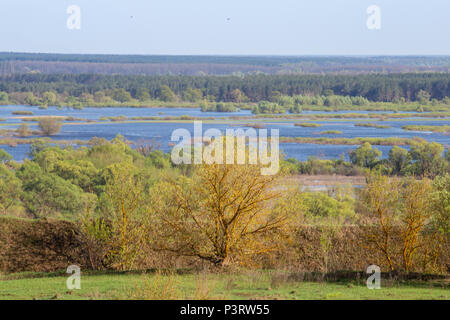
[[227, 27]]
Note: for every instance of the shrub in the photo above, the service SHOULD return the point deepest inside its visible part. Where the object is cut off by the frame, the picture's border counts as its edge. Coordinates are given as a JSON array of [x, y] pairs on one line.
[[49, 126]]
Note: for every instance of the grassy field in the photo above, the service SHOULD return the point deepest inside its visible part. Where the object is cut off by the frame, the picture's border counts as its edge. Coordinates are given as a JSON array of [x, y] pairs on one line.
[[251, 285]]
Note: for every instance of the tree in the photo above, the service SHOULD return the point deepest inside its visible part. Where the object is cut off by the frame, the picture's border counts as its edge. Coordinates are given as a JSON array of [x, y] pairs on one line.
[[414, 217], [121, 204], [365, 156], [237, 96], [440, 203], [45, 194], [121, 95], [23, 130], [99, 96], [10, 188], [398, 159], [31, 100], [381, 199], [427, 159], [143, 95], [166, 94], [49, 98], [4, 97], [5, 157], [423, 97], [400, 213], [193, 95], [221, 215], [49, 126], [268, 107]]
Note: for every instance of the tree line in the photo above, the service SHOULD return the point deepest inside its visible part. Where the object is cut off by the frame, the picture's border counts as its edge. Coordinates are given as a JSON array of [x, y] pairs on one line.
[[253, 88]]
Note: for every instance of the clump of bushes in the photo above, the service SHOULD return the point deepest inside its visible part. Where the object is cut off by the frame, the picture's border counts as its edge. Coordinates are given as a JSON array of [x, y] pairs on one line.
[[22, 113], [49, 126], [371, 125], [308, 125]]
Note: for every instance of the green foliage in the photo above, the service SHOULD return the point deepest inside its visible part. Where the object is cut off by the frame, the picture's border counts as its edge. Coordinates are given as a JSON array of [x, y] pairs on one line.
[[31, 100], [143, 95], [398, 160], [121, 95], [423, 97], [122, 204], [365, 156], [333, 91], [192, 95], [440, 202], [308, 125], [336, 205], [268, 107], [427, 159], [5, 156], [315, 166], [166, 94], [218, 107], [10, 188], [46, 194], [4, 97], [49, 98], [66, 181]]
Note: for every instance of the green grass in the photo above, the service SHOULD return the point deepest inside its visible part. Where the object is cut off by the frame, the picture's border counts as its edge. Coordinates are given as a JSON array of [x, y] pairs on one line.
[[249, 285], [437, 129], [372, 125], [308, 125]]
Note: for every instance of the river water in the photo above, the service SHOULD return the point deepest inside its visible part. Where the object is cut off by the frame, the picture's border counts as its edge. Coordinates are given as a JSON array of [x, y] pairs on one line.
[[161, 132]]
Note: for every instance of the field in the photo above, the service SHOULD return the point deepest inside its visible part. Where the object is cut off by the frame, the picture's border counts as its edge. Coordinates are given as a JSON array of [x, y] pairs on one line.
[[244, 286]]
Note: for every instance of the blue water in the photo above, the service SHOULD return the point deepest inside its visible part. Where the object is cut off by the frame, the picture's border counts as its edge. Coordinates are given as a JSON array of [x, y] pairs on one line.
[[161, 132]]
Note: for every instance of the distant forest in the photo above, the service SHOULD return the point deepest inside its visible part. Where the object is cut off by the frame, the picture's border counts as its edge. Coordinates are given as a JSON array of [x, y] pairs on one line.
[[13, 63], [374, 87]]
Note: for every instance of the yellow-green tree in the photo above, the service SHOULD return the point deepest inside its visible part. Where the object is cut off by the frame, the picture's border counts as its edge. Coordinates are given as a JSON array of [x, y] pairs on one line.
[[121, 204], [381, 198], [221, 215]]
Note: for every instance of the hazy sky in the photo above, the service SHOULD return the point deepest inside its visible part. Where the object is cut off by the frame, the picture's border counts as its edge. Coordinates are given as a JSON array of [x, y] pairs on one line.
[[242, 27]]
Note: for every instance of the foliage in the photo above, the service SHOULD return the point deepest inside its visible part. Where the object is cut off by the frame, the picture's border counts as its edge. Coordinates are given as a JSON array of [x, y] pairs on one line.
[[220, 215], [121, 204], [49, 126], [427, 159], [10, 188], [405, 211], [166, 94], [365, 156], [46, 193], [23, 130]]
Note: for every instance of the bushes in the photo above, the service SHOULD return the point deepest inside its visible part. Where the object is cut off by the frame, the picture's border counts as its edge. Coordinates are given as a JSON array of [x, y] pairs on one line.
[[49, 126], [218, 107], [50, 245], [40, 245], [222, 214], [23, 130], [307, 125], [22, 113], [400, 212]]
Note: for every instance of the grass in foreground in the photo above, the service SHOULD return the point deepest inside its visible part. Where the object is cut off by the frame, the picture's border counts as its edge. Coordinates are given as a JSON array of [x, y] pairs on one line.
[[250, 285]]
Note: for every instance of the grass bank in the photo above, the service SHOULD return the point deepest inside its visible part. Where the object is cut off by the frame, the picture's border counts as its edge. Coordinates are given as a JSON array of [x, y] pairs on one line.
[[245, 286], [437, 129]]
